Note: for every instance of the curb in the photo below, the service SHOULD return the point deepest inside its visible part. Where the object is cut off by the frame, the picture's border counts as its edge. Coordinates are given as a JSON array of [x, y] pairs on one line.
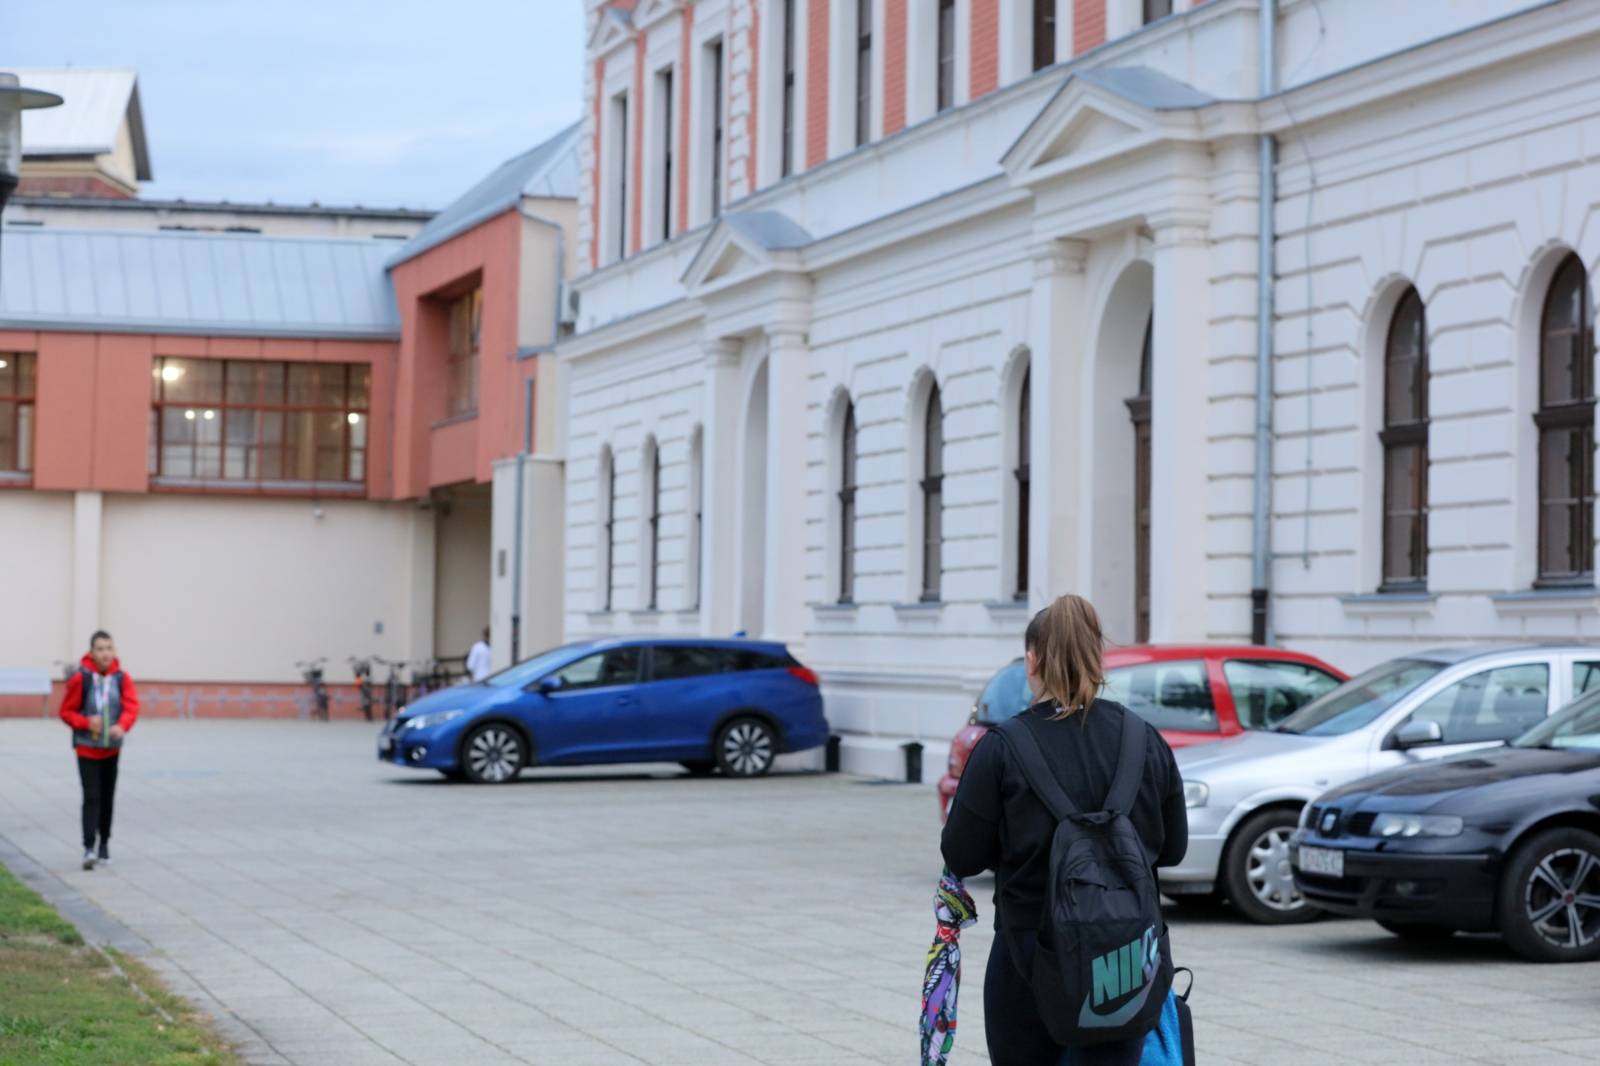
[[96, 926]]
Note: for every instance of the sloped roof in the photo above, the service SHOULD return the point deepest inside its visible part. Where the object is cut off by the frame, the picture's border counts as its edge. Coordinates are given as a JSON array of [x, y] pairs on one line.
[[772, 230], [218, 284], [548, 170], [1147, 88], [95, 101]]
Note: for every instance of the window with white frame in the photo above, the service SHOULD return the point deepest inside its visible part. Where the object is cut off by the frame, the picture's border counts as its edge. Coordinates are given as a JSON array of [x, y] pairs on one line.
[[1565, 421], [787, 127], [714, 131], [1023, 473], [696, 512], [651, 469], [1044, 33], [945, 71], [863, 72], [1404, 438], [931, 486], [664, 193], [619, 174], [847, 505], [607, 521]]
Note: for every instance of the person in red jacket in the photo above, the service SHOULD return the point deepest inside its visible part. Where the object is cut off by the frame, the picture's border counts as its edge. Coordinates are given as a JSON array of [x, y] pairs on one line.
[[100, 705]]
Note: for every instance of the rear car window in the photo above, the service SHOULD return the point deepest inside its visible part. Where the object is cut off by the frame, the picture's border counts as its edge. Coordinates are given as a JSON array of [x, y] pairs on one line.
[[672, 662], [1168, 695], [1490, 705], [1585, 677], [1266, 691]]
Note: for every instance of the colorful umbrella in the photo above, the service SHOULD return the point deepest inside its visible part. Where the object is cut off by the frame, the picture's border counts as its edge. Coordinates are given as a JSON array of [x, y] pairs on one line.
[[953, 910]]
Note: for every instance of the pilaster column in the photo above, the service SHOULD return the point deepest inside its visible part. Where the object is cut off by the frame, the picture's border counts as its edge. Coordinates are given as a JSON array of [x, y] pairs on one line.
[[86, 537], [785, 599], [718, 473], [1180, 354], [1058, 529]]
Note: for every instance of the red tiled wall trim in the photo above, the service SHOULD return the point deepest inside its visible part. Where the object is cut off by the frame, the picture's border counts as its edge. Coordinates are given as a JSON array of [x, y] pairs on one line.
[[985, 38], [204, 699], [894, 66], [816, 82], [1088, 25]]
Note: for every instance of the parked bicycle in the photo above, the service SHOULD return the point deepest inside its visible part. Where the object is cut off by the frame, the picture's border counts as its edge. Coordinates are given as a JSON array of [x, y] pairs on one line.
[[362, 669], [394, 687], [313, 673]]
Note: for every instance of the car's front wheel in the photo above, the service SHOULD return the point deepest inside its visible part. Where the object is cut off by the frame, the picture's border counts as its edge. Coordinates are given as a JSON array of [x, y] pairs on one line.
[[1550, 897], [745, 747], [492, 754], [1256, 870]]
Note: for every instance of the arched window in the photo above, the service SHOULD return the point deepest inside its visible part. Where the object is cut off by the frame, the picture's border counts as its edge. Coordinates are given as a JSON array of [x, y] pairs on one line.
[[1566, 429], [653, 495], [608, 524], [1405, 447], [1024, 475], [847, 506], [932, 497], [1139, 413]]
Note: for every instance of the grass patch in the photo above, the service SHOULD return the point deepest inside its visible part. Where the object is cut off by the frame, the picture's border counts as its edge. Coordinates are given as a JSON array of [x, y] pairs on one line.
[[63, 1004]]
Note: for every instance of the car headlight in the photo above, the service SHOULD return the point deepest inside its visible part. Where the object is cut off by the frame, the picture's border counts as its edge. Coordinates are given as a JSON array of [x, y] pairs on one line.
[[1416, 825], [432, 718], [1195, 794]]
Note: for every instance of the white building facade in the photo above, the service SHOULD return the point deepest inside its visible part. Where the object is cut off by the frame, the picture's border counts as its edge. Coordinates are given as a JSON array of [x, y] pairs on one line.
[[887, 337]]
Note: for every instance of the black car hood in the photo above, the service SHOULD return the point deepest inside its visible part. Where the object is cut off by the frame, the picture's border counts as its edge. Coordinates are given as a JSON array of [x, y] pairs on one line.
[[1499, 775]]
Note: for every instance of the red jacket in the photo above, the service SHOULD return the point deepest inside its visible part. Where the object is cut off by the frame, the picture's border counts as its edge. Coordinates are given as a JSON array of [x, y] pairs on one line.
[[72, 703]]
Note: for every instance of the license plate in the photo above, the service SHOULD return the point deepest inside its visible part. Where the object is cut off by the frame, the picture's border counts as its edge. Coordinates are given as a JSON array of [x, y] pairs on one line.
[[1325, 861]]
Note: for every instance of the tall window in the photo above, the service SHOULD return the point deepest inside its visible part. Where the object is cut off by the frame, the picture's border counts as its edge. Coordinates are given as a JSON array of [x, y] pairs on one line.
[[847, 506], [1405, 447], [697, 512], [947, 53], [655, 525], [788, 88], [620, 108], [933, 498], [1566, 429], [1156, 9], [1024, 479], [863, 72], [466, 324], [664, 89], [715, 48], [249, 421], [1044, 33], [608, 524], [17, 372]]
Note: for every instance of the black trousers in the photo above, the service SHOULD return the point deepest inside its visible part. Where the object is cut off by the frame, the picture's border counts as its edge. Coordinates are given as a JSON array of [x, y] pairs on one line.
[[99, 777], [1014, 1030]]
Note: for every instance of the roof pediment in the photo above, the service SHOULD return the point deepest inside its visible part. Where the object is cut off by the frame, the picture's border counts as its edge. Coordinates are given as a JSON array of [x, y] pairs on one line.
[[746, 244], [613, 27], [649, 12], [1099, 115]]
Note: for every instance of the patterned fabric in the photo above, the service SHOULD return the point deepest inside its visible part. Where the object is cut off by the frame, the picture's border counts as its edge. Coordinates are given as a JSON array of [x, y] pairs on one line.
[[953, 910]]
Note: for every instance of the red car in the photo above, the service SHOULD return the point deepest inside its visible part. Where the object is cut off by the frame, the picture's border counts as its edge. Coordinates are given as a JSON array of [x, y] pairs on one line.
[[1192, 693]]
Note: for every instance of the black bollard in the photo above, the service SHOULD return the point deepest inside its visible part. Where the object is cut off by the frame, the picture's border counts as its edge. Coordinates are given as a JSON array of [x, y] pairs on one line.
[[913, 752], [830, 758]]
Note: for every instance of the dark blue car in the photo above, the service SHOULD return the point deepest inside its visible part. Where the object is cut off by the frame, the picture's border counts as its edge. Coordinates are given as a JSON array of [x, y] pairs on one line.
[[732, 705]]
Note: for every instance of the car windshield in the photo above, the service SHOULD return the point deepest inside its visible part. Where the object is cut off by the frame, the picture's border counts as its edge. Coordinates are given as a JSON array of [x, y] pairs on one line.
[[1577, 728], [530, 670], [1006, 695], [1360, 700]]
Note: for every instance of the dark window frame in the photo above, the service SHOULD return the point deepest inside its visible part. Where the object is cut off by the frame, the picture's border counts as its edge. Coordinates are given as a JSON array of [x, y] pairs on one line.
[[715, 47], [19, 393], [1569, 414], [664, 78], [932, 485], [1156, 9], [697, 454], [863, 72], [655, 527], [1024, 475], [786, 126], [945, 56], [847, 506], [352, 452], [621, 102], [1405, 429], [610, 525], [1044, 34]]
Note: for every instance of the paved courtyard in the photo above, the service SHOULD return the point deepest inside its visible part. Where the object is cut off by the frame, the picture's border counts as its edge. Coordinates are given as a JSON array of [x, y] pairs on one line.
[[331, 910]]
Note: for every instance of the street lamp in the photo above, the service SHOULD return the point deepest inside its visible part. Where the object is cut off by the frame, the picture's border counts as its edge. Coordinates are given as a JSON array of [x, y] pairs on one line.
[[14, 100]]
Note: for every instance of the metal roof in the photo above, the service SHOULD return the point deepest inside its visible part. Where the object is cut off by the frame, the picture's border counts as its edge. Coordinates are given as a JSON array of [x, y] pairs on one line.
[[95, 101], [110, 204], [1147, 88], [546, 171], [198, 283], [772, 230]]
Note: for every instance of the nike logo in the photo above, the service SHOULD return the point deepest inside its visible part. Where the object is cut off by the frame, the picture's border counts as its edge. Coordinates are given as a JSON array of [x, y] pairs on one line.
[[1117, 973]]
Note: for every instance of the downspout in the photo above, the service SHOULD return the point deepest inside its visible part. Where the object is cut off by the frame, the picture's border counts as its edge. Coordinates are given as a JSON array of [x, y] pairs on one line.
[[1261, 519], [516, 539]]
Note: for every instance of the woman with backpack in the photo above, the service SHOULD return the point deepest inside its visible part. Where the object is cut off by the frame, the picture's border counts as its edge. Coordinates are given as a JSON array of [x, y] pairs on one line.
[[1080, 958]]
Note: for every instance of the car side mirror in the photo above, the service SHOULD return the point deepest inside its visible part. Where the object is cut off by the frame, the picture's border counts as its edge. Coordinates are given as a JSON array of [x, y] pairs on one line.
[[547, 685], [1416, 734]]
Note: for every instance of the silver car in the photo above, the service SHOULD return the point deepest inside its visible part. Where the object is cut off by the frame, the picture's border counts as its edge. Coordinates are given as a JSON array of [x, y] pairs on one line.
[[1245, 793]]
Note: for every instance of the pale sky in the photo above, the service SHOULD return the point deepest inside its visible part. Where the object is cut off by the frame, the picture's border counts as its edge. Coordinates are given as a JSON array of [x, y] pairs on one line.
[[377, 102]]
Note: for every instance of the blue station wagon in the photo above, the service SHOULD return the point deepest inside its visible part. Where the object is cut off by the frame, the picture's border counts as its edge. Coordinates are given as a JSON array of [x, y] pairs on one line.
[[732, 705]]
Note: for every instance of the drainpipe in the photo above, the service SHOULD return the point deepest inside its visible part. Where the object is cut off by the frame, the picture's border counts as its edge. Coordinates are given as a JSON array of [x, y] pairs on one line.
[[516, 559], [1261, 519]]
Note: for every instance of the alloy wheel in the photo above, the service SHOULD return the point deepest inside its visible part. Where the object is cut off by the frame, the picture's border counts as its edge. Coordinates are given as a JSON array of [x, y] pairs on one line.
[[746, 749], [1562, 898], [494, 754], [1268, 873]]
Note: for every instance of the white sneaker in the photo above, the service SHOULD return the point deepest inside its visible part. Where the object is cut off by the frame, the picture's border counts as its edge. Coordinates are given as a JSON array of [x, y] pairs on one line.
[[88, 859]]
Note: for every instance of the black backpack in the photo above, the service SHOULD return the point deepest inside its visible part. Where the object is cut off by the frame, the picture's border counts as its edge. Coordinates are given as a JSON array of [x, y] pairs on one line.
[[1103, 967]]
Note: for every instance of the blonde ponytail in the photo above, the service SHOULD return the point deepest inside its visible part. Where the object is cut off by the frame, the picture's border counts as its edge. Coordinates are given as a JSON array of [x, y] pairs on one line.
[[1066, 641]]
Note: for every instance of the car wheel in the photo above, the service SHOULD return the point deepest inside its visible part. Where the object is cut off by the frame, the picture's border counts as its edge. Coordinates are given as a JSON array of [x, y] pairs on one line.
[[492, 754], [1550, 897], [1419, 932], [1256, 870], [698, 767], [746, 748]]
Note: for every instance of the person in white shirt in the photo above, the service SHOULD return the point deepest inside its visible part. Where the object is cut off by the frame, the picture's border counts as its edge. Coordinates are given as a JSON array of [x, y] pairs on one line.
[[478, 659]]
